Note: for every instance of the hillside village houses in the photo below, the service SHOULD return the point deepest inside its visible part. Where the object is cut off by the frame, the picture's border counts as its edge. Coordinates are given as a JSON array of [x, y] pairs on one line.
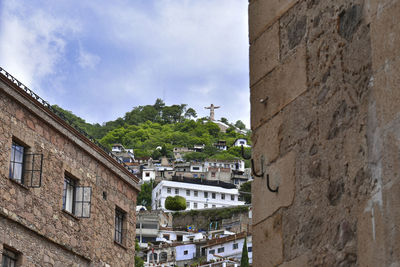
[[65, 200]]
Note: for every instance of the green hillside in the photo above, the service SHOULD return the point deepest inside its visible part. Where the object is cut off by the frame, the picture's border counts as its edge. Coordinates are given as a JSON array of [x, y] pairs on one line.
[[145, 128]]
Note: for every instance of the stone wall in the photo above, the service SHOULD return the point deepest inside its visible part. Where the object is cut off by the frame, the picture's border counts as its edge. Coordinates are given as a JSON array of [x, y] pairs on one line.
[[324, 78], [32, 220]]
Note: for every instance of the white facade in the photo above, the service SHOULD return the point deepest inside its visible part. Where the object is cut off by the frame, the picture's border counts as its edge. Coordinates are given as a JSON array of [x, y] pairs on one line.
[[148, 174], [197, 196], [230, 249], [185, 252], [235, 165], [196, 167], [241, 142]]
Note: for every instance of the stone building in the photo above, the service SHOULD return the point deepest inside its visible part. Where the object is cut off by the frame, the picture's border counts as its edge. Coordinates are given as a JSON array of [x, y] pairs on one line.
[[324, 83], [63, 200]]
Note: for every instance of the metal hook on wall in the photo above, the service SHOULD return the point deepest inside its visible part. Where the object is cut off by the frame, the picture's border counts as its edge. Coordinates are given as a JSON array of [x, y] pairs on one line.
[[262, 174]]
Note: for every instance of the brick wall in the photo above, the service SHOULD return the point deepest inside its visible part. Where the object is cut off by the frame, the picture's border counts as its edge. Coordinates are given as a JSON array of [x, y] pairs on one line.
[[32, 220], [324, 78]]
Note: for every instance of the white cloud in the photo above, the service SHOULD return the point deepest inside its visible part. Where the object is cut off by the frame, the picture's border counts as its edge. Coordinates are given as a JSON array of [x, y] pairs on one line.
[[33, 42], [87, 60]]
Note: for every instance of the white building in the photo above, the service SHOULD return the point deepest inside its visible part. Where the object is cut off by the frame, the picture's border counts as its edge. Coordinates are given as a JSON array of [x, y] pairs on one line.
[[229, 247], [241, 142], [185, 252], [198, 196], [235, 165], [148, 174]]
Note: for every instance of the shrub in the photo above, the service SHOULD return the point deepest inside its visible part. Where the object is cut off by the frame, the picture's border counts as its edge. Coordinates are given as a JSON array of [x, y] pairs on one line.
[[175, 203]]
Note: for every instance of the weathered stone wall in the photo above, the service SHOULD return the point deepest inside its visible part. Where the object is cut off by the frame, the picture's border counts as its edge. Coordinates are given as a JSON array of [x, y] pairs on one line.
[[324, 79], [32, 220]]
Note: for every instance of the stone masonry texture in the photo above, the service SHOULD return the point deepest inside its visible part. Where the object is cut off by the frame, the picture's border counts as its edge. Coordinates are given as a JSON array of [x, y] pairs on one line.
[[325, 116], [32, 221]]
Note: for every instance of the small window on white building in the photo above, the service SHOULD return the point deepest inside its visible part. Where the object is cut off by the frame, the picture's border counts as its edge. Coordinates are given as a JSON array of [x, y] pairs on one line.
[[212, 251], [213, 195], [222, 196], [249, 249], [195, 193], [206, 194], [169, 190], [195, 205], [185, 252], [176, 191], [235, 246], [221, 250], [205, 206], [213, 206], [188, 192], [232, 197], [147, 174], [188, 205]]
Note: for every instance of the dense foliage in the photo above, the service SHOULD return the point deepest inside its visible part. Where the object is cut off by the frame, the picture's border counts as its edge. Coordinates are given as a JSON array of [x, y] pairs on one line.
[[245, 192], [145, 128], [175, 203], [144, 196]]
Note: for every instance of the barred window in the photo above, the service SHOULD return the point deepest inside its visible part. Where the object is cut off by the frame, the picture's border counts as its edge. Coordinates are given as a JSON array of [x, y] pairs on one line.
[[25, 168], [76, 199], [120, 217]]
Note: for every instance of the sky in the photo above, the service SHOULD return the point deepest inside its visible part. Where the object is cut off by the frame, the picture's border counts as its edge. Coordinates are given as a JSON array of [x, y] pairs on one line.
[[99, 59]]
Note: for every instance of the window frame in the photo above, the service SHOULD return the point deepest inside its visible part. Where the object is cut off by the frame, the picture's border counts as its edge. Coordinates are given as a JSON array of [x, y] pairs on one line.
[[29, 165], [221, 250], [119, 226], [213, 195], [81, 204], [188, 192], [15, 144], [10, 257], [235, 246]]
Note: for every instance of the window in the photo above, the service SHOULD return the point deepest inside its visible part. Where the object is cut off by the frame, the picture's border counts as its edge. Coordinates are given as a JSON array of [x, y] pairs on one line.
[[196, 168], [76, 199], [188, 192], [235, 246], [249, 249], [213, 206], [25, 168], [195, 205], [147, 174], [212, 251], [119, 226], [205, 206], [222, 196], [10, 258], [220, 250], [195, 176], [196, 193], [17, 162], [206, 194], [176, 191], [232, 197], [185, 252], [212, 174], [213, 195], [169, 190], [188, 205]]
